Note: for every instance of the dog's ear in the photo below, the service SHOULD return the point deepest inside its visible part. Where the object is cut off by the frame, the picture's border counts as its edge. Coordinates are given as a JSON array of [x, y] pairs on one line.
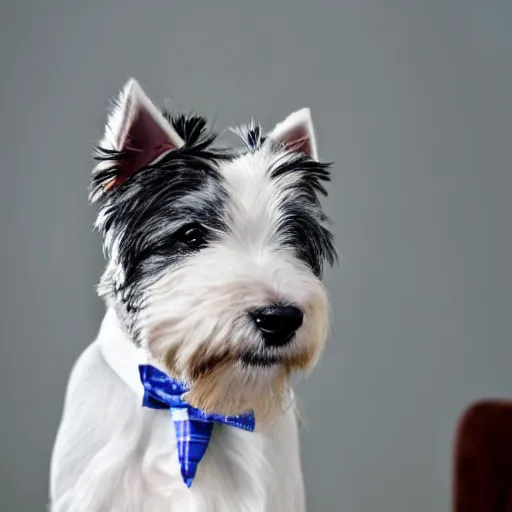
[[297, 134], [136, 135]]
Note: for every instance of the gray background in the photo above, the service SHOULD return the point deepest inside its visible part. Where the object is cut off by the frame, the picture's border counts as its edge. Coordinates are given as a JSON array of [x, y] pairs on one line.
[[412, 100]]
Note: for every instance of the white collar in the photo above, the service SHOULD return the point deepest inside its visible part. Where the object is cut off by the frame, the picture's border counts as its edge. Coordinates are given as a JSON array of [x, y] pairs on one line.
[[120, 352]]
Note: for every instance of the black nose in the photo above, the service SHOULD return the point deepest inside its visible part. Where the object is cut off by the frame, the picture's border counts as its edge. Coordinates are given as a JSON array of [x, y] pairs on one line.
[[278, 323]]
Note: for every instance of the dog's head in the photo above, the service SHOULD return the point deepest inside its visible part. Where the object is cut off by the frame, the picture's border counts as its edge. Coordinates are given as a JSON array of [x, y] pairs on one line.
[[214, 257]]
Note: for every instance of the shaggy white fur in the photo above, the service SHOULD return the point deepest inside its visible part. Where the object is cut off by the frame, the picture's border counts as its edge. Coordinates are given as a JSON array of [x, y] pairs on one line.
[[113, 455]]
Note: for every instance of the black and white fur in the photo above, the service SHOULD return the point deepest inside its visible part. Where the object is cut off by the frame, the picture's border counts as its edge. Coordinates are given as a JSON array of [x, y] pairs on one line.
[[196, 239]]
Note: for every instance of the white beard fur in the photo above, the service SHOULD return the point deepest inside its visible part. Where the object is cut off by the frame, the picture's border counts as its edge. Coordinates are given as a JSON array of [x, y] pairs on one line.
[[113, 455]]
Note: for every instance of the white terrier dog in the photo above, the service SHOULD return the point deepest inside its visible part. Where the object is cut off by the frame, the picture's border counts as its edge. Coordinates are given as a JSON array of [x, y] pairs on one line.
[[213, 291]]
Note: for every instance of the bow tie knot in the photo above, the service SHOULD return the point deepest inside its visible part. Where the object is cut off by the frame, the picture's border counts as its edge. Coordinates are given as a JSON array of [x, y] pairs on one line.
[[193, 426]]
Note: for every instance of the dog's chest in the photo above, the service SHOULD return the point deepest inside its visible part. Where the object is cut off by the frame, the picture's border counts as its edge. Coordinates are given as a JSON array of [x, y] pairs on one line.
[[241, 471]]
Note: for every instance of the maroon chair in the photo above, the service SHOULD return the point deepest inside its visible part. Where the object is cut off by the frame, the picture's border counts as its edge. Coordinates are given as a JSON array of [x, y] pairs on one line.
[[483, 459]]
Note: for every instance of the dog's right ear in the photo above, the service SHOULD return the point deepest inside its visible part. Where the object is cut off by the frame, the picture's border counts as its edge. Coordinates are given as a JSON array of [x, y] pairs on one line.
[[136, 135]]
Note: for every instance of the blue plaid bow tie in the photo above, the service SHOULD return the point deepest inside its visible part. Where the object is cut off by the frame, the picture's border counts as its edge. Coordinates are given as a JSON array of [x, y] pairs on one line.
[[193, 426]]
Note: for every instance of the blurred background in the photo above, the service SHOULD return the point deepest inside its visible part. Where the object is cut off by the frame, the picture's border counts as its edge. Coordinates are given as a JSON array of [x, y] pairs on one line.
[[412, 100]]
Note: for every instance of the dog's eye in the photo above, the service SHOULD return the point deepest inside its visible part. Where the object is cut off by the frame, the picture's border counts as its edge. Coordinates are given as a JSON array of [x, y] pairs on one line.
[[194, 235]]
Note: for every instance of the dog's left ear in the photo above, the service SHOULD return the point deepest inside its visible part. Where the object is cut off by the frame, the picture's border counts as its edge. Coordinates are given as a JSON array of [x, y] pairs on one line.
[[296, 132]]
